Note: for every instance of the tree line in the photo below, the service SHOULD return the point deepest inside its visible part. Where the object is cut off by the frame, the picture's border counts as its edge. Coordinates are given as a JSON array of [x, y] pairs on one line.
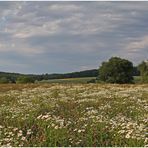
[[115, 70], [30, 78]]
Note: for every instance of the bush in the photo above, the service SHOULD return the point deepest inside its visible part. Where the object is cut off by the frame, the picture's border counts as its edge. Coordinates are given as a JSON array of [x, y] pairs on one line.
[[91, 81], [25, 79], [116, 70], [143, 68]]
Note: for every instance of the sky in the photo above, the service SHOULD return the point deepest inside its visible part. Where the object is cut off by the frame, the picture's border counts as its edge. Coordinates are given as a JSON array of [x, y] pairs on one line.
[[59, 37]]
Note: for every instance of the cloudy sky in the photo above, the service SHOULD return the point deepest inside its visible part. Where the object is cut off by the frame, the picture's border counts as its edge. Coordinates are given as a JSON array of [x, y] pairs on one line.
[[49, 37]]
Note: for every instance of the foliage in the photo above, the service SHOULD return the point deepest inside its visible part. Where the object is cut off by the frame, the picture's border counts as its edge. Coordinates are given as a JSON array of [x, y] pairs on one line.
[[116, 70], [25, 79], [137, 79], [82, 74], [92, 81], [143, 68], [136, 71], [86, 73]]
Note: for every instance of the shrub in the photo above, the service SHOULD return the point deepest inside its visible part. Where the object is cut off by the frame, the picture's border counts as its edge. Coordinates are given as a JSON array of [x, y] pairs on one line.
[[143, 68], [25, 79]]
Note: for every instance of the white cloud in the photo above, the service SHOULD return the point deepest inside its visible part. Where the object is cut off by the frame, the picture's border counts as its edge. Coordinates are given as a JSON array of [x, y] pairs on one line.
[[138, 45], [64, 7]]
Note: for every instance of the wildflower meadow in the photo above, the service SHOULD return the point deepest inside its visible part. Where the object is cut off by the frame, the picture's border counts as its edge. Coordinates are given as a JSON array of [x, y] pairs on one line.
[[73, 115]]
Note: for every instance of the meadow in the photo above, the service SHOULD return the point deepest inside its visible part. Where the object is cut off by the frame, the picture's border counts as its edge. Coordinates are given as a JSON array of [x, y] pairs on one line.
[[73, 115], [82, 80]]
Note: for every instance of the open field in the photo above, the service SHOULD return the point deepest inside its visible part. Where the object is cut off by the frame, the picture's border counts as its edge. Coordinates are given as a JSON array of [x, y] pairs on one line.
[[82, 80], [73, 115], [69, 80]]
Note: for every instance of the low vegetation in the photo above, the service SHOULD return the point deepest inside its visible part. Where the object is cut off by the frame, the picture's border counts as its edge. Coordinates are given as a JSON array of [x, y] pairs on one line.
[[143, 68], [24, 79], [73, 115], [70, 80]]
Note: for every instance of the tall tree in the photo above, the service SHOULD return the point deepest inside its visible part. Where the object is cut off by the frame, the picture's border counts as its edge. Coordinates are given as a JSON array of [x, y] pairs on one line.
[[116, 70]]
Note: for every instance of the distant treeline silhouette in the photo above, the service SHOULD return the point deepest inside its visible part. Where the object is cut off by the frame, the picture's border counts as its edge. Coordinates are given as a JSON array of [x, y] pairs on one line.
[[6, 77]]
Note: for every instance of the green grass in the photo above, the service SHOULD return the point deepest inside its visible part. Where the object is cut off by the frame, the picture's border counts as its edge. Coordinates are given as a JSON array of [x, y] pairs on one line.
[[83, 80], [78, 115], [69, 80]]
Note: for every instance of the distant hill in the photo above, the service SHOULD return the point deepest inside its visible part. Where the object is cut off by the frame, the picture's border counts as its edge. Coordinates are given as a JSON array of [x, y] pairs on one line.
[[86, 73]]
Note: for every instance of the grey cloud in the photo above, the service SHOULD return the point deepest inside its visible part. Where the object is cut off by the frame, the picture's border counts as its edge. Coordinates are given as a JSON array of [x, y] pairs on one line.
[[72, 34]]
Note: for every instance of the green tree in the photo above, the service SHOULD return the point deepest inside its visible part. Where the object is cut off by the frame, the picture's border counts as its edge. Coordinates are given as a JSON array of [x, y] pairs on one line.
[[143, 68], [25, 79], [116, 70]]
